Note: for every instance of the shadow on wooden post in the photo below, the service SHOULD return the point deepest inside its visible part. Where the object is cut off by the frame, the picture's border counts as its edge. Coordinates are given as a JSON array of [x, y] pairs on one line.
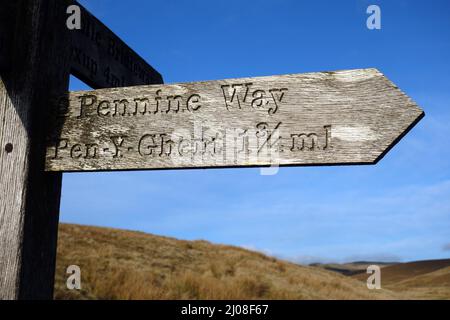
[[37, 71], [37, 53]]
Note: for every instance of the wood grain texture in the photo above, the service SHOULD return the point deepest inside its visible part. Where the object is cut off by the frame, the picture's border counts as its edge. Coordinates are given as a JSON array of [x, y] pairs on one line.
[[324, 118], [102, 60], [29, 196]]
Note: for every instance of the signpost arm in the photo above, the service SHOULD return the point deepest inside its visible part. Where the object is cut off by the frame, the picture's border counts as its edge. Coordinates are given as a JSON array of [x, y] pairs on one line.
[[29, 196]]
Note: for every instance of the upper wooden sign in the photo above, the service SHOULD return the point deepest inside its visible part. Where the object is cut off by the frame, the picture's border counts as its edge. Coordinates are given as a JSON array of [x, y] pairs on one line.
[[102, 60], [99, 57], [343, 117]]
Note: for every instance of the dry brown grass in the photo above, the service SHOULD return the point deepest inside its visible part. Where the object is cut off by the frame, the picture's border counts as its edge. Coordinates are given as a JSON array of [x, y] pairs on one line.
[[118, 264], [428, 279]]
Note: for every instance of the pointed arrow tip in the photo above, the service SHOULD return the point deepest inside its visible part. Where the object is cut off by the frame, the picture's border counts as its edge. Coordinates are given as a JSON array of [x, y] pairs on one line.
[[420, 115]]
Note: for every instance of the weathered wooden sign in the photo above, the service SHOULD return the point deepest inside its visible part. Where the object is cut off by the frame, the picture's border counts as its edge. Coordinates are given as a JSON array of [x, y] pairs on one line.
[[102, 60], [98, 56], [343, 117]]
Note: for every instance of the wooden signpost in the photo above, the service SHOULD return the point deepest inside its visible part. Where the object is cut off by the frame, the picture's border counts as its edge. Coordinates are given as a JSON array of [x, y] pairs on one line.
[[343, 117], [325, 118], [37, 54], [37, 70]]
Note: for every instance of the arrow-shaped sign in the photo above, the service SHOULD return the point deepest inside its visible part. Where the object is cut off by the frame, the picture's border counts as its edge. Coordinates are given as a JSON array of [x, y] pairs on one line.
[[324, 118]]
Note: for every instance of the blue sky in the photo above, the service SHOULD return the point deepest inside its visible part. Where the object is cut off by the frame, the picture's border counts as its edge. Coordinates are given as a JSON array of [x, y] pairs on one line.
[[398, 209]]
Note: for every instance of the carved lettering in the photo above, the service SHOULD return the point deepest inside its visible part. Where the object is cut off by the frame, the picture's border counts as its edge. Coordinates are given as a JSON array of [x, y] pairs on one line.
[[310, 141], [139, 106], [173, 103], [264, 141], [277, 96], [268, 139], [84, 60], [155, 145], [76, 151], [193, 102], [91, 150], [84, 104], [118, 142], [236, 96], [60, 145], [103, 108]]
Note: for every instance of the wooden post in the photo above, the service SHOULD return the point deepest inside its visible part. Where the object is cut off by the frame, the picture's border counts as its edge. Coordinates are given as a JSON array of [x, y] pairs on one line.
[[38, 70]]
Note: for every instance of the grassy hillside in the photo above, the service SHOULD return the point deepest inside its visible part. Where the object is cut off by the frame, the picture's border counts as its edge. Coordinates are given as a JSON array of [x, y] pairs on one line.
[[118, 264], [428, 279]]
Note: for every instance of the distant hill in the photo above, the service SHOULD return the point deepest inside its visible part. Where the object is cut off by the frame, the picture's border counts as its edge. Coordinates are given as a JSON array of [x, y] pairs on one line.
[[418, 279], [351, 268], [119, 264]]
